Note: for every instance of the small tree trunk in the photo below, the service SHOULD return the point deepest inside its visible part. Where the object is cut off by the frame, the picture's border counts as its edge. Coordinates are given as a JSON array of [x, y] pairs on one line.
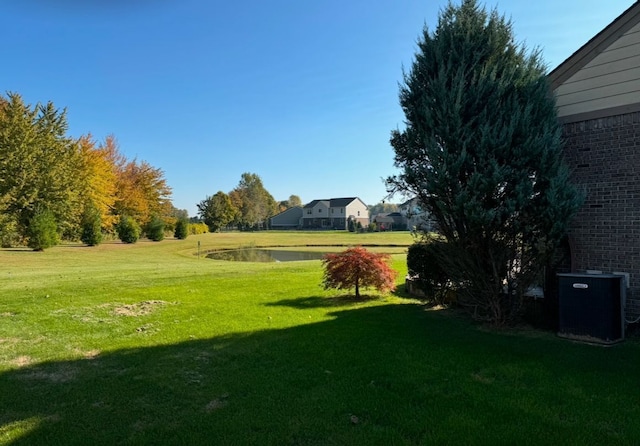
[[357, 288]]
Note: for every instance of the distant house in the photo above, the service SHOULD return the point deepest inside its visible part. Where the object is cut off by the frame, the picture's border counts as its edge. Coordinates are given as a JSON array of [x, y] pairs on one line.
[[390, 221], [334, 213], [598, 98], [416, 217], [287, 219]]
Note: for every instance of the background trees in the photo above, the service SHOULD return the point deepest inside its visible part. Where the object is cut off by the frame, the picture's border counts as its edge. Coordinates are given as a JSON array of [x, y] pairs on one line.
[[38, 166], [217, 211], [383, 208], [141, 191], [248, 206], [43, 170], [293, 201], [254, 203], [481, 150]]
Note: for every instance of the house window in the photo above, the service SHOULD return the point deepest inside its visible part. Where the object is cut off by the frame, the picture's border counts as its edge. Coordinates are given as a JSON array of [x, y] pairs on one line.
[[319, 210], [332, 210], [309, 211], [358, 213], [342, 210]]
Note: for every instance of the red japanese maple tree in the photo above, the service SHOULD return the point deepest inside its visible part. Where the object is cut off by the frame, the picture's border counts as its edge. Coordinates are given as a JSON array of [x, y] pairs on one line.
[[356, 268]]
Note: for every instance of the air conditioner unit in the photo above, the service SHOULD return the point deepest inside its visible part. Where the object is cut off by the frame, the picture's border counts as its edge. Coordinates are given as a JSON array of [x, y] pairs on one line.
[[591, 307]]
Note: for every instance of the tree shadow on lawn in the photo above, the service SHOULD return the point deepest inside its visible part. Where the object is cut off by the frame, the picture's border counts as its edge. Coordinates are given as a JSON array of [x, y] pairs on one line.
[[408, 376], [304, 303], [344, 300]]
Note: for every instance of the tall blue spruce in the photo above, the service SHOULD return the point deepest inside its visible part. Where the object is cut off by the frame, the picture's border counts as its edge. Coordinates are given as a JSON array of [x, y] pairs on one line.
[[482, 152]]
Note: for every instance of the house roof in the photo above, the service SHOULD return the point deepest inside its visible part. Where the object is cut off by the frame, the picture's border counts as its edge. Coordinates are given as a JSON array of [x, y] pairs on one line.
[[340, 202], [333, 202], [313, 203], [585, 54], [288, 211], [383, 218]]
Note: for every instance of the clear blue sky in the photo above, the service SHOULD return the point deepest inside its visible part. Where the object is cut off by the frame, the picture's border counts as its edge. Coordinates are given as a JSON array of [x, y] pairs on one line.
[[302, 93]]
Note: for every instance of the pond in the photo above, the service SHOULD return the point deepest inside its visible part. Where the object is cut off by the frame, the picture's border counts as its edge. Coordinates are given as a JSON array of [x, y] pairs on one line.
[[265, 255]]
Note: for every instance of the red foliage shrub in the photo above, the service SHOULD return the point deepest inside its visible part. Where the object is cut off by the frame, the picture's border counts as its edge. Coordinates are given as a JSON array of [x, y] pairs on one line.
[[356, 268]]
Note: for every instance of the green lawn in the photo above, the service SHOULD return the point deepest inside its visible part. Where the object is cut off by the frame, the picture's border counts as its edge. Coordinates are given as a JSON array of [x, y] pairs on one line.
[[149, 344]]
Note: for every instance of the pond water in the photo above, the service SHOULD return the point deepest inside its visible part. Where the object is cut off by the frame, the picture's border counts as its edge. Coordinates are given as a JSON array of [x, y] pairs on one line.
[[265, 255]]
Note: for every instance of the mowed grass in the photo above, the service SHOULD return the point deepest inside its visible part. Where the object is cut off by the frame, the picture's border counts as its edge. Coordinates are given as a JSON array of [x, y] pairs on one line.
[[149, 344]]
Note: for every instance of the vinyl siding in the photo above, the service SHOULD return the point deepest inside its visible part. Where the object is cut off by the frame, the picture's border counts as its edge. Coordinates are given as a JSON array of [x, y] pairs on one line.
[[611, 79]]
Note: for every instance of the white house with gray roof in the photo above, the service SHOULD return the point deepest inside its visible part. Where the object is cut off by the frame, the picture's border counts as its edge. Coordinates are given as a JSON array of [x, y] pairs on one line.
[[334, 213]]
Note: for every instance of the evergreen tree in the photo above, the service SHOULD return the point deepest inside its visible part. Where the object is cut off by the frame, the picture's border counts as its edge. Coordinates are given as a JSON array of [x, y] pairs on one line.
[[182, 229], [155, 229], [128, 229], [42, 231], [91, 226], [482, 152]]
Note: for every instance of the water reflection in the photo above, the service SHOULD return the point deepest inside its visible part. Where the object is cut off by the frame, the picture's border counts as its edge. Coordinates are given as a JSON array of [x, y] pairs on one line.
[[265, 255]]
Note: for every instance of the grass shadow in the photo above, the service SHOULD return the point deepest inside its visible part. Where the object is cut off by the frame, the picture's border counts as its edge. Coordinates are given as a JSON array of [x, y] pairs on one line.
[[303, 303], [387, 374]]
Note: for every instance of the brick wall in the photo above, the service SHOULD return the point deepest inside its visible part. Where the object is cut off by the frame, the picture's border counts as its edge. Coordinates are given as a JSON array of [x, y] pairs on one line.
[[605, 157]]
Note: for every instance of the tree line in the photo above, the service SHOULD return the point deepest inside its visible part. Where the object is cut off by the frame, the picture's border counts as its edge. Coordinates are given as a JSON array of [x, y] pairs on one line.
[[50, 179], [247, 207]]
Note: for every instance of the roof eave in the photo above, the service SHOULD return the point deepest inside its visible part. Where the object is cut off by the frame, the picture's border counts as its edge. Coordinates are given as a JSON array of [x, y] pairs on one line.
[[585, 54]]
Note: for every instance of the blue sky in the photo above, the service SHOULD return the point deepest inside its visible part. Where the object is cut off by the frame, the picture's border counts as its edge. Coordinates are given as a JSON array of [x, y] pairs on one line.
[[302, 93]]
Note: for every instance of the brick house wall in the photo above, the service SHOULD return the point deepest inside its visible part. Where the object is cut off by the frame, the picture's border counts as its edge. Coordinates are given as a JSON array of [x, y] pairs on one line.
[[604, 154]]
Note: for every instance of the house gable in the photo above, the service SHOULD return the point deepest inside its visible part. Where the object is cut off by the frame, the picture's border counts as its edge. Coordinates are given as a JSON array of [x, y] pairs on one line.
[[602, 78]]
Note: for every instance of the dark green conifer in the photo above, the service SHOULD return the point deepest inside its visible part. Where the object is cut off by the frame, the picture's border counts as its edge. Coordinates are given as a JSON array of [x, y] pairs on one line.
[[482, 152]]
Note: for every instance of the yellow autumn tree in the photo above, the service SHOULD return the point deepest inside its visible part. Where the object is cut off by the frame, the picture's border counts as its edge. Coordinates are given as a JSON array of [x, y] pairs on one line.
[[98, 172], [142, 191]]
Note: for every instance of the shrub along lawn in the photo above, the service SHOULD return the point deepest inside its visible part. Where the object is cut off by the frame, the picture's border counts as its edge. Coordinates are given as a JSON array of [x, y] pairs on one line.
[[146, 343]]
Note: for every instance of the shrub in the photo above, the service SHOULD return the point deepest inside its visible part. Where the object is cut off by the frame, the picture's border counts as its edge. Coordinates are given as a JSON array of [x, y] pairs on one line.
[[91, 227], [198, 228], [128, 229], [357, 267], [427, 271], [42, 232], [182, 229], [155, 229]]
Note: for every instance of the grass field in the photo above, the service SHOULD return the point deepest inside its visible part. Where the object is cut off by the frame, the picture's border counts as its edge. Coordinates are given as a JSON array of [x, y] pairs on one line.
[[149, 344]]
